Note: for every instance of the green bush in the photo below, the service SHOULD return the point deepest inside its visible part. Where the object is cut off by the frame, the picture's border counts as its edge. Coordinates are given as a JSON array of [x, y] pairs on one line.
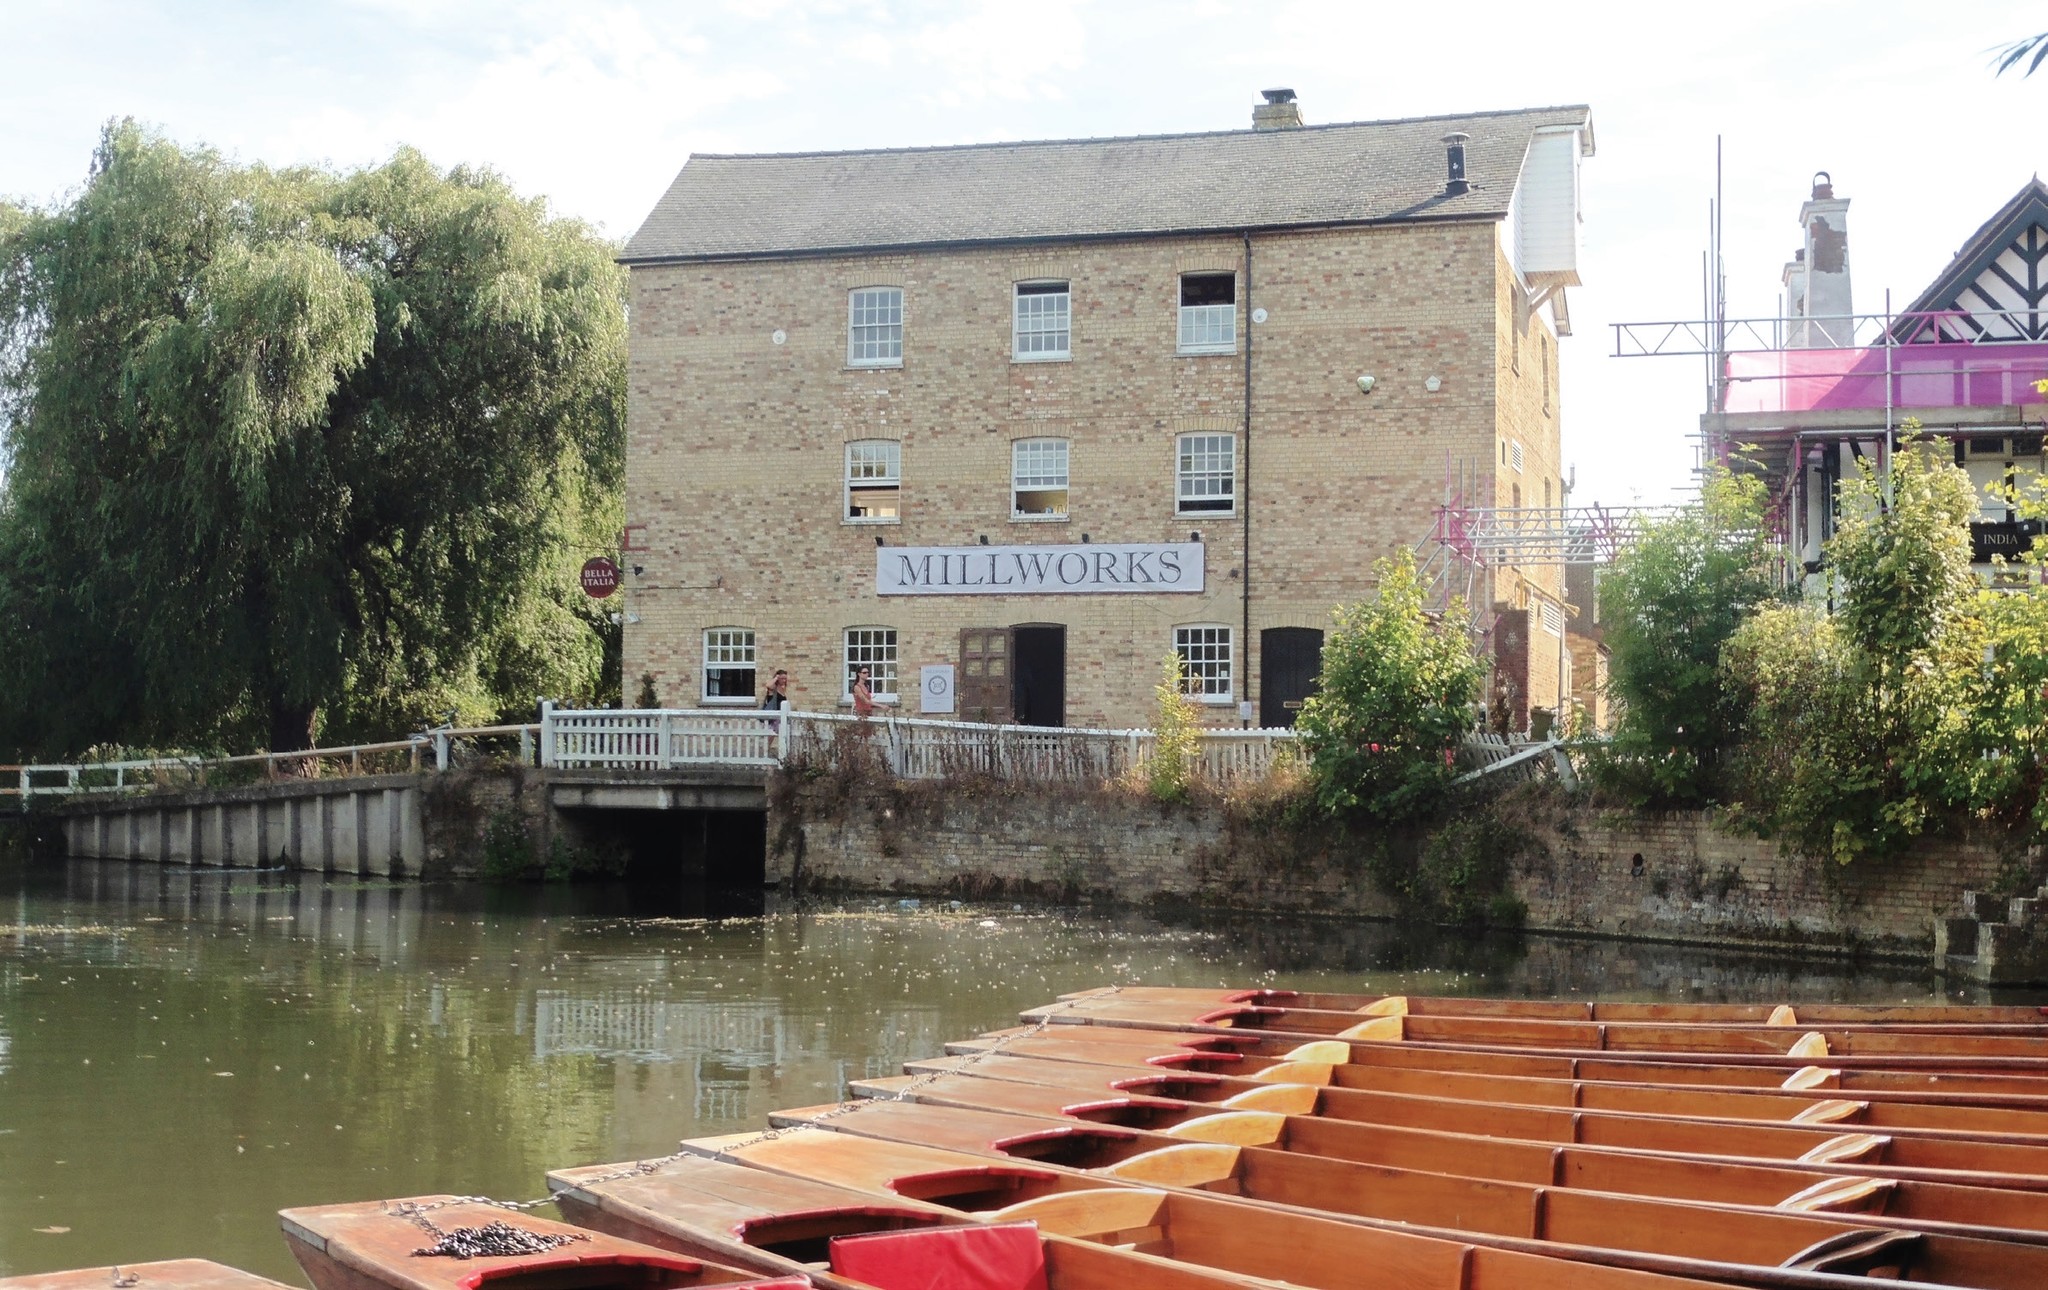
[[1395, 696], [1860, 724], [1668, 604], [508, 849], [1176, 742]]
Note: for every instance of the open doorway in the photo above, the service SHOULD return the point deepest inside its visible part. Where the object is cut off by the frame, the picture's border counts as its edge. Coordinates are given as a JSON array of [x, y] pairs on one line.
[[1038, 691]]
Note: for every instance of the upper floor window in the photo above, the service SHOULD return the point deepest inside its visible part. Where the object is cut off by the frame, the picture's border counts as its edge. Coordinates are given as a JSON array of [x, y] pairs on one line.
[[874, 327], [874, 480], [729, 665], [873, 648], [1208, 313], [1205, 657], [1042, 321], [1038, 479], [1206, 477]]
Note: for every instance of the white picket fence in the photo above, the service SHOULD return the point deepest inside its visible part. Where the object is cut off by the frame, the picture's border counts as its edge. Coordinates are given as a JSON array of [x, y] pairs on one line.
[[911, 747], [668, 739]]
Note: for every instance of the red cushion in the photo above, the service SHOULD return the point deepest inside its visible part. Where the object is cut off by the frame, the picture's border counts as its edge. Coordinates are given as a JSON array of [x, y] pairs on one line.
[[779, 1283], [1006, 1256]]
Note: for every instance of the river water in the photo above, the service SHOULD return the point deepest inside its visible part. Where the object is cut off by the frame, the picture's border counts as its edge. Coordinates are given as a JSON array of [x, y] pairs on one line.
[[183, 1052]]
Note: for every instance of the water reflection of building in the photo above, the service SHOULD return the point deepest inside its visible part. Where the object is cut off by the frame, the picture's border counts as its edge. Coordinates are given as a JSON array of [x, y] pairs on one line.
[[743, 1034], [730, 1050]]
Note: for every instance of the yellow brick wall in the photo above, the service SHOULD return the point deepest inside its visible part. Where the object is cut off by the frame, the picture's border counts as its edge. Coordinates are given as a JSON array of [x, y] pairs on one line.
[[735, 455]]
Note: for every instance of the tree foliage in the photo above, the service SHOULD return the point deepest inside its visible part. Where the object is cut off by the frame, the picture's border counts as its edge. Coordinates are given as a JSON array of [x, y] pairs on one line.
[[1396, 693], [1860, 723], [2018, 52], [1668, 604], [291, 448], [1176, 738]]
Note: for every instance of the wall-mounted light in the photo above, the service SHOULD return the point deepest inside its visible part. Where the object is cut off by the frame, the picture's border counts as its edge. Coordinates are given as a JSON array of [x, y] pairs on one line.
[[984, 539], [638, 570], [1084, 539], [1433, 384], [1366, 381], [632, 617], [879, 541], [1194, 537]]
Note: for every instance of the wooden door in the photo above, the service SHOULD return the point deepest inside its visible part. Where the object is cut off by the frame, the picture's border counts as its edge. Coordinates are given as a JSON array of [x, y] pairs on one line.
[[982, 691], [1290, 659]]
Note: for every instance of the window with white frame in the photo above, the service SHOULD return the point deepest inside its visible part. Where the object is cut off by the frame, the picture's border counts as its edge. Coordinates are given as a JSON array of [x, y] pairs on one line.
[[874, 327], [729, 665], [1038, 479], [1205, 657], [1208, 313], [875, 649], [874, 481], [1042, 321], [1205, 478]]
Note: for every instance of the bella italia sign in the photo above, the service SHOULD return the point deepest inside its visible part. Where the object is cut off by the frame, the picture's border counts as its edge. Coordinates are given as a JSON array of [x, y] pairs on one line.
[[1088, 569]]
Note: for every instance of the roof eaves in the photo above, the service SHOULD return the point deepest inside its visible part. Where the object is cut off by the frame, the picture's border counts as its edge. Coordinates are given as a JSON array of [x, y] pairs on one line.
[[988, 243]]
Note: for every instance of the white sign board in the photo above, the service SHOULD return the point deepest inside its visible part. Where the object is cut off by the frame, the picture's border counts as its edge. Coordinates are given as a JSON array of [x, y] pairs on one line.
[[935, 687], [1087, 569]]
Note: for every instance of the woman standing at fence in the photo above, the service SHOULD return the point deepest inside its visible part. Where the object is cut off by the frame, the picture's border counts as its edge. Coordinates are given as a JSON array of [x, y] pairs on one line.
[[863, 693]]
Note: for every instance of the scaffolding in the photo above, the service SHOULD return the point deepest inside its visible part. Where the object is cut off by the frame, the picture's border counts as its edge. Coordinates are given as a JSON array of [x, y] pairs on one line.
[[1467, 545]]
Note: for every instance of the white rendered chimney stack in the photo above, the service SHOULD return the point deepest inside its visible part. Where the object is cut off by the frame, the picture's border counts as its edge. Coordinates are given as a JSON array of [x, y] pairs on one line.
[[1817, 293]]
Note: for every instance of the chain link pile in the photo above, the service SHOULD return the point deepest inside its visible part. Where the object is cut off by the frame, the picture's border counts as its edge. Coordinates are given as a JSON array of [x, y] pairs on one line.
[[496, 1240]]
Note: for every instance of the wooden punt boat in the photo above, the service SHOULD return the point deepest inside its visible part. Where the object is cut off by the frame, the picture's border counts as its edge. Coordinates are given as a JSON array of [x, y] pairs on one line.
[[728, 1213], [1944, 1042], [1134, 1097], [377, 1246], [1262, 1155], [1301, 1060], [169, 1274], [1803, 1014], [1983, 1082], [1320, 1064], [1294, 1245]]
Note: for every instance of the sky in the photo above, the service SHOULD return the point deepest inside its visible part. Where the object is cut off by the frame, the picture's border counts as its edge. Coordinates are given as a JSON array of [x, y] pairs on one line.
[[595, 106]]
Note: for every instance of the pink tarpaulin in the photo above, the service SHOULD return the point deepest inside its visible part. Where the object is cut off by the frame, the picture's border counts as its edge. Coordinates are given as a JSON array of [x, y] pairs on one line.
[[1927, 376]]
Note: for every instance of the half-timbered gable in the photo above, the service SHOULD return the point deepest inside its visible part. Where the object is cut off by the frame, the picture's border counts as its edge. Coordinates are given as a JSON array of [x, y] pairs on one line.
[[1998, 283]]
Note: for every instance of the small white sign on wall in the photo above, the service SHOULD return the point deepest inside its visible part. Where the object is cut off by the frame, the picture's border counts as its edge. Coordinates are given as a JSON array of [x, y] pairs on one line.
[[935, 687]]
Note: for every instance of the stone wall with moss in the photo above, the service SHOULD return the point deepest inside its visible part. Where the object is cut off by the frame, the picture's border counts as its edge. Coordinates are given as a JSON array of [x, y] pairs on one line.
[[1535, 857]]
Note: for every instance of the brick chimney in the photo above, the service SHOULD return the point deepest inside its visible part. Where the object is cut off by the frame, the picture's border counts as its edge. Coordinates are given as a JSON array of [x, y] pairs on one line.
[[1278, 112]]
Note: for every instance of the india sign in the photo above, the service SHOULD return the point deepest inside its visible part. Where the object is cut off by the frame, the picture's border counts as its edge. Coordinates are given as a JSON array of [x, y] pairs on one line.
[[1087, 569]]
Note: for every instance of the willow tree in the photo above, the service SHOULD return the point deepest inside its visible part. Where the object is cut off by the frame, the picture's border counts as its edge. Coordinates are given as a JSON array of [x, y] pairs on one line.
[[289, 449]]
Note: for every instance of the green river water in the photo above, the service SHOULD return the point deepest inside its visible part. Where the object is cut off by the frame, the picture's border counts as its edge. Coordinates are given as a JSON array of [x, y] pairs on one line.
[[183, 1052]]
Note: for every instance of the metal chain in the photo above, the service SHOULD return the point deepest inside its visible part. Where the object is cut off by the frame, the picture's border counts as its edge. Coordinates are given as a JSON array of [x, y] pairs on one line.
[[417, 1212]]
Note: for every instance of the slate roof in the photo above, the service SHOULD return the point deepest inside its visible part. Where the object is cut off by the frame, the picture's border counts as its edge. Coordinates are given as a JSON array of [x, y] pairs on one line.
[[809, 202]]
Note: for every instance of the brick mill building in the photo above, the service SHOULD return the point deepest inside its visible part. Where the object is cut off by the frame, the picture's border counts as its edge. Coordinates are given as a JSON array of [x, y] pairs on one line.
[[1009, 422]]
